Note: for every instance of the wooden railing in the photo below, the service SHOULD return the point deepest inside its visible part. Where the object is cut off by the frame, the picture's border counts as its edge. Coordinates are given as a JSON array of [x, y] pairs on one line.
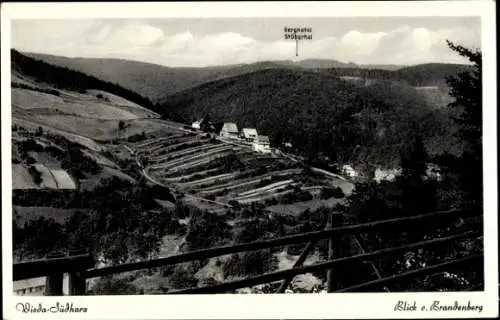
[[80, 267], [54, 269]]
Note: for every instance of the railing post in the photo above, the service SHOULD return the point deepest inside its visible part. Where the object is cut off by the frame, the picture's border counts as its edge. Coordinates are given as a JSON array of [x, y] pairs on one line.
[[54, 285], [334, 220], [77, 284]]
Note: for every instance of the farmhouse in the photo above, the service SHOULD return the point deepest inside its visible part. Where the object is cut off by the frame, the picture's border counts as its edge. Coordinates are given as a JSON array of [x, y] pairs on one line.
[[386, 174], [349, 171], [196, 125], [262, 144], [433, 171], [30, 287], [229, 130], [249, 134]]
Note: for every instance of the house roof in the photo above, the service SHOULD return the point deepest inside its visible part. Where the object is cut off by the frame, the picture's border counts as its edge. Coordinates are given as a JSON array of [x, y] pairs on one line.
[[230, 127], [29, 283], [249, 132], [263, 139]]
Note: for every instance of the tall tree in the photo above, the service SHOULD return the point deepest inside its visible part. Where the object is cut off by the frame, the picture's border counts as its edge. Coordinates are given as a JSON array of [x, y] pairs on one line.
[[466, 90]]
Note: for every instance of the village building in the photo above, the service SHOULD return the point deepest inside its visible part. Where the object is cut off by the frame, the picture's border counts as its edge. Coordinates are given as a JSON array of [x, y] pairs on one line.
[[261, 144], [229, 130], [196, 125], [287, 144], [386, 174], [249, 134], [433, 171], [30, 287], [349, 171]]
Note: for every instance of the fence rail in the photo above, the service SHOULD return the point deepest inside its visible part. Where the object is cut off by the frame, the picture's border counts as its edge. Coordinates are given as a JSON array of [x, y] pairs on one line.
[[277, 242], [80, 267], [276, 276]]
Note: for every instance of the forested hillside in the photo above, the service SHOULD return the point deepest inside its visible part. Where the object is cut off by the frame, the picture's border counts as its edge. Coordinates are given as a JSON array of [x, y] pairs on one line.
[[157, 82], [150, 80], [320, 113], [63, 78], [432, 74]]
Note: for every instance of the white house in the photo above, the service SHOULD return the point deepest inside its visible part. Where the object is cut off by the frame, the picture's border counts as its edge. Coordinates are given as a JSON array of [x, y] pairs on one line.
[[196, 125], [386, 174], [229, 130], [433, 172], [249, 134], [261, 144], [30, 287], [349, 171]]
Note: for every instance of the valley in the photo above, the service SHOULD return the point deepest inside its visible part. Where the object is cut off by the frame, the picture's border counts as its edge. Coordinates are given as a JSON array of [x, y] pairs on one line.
[[129, 176]]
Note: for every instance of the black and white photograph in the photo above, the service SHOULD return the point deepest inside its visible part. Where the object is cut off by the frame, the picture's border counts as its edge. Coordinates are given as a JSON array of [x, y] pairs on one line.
[[173, 156]]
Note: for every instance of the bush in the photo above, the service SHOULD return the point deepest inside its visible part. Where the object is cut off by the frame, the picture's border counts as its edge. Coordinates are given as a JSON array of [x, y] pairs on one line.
[[30, 160], [250, 263], [181, 278], [329, 192], [206, 230], [111, 286], [39, 132], [37, 176], [137, 137], [235, 204]]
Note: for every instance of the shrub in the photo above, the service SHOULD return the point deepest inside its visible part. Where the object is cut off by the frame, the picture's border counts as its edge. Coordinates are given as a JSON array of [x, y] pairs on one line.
[[167, 270], [111, 286], [206, 230], [329, 192], [30, 160], [137, 137], [235, 204], [37, 176], [250, 263], [181, 278], [208, 282]]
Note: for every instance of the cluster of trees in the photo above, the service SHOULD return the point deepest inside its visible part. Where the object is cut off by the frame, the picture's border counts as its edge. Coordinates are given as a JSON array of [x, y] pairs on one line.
[[137, 137], [207, 230], [119, 224], [26, 146], [26, 86], [73, 159], [79, 164], [412, 192]]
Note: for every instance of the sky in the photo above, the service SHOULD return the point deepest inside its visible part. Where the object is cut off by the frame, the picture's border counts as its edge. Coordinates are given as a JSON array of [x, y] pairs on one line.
[[220, 41]]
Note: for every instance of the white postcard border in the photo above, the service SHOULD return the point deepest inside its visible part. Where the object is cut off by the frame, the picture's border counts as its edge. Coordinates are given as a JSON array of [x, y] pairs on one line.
[[296, 306]]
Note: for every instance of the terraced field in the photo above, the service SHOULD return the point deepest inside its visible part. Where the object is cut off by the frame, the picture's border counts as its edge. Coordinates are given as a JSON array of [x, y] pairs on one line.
[[221, 175]]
